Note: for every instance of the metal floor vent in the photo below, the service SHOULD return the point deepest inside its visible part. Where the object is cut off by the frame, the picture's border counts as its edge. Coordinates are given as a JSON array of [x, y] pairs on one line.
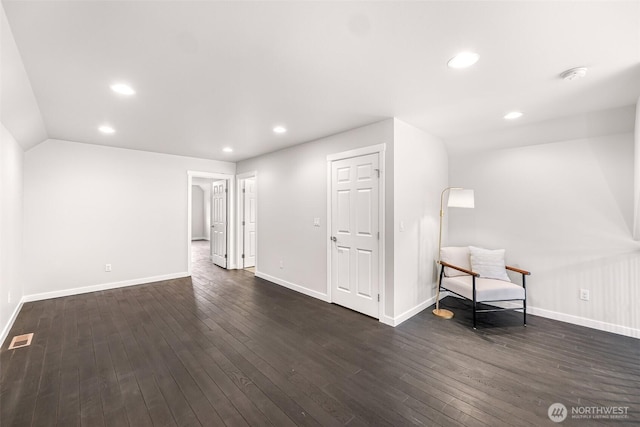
[[21, 341]]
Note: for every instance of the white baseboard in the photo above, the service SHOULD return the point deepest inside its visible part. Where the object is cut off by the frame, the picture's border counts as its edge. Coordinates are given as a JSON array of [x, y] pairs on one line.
[[574, 320], [387, 320], [395, 321], [413, 311], [9, 324], [294, 287], [101, 287], [583, 321]]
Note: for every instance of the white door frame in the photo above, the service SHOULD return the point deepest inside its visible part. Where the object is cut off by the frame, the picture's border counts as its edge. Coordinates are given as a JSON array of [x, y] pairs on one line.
[[231, 187], [238, 233], [372, 149]]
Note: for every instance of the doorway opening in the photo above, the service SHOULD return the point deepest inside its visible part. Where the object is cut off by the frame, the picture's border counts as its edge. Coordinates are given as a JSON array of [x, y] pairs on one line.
[[247, 220], [209, 219]]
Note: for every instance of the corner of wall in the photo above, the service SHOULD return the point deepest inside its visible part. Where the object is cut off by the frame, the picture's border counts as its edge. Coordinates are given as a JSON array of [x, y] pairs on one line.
[[421, 171], [636, 175], [11, 230]]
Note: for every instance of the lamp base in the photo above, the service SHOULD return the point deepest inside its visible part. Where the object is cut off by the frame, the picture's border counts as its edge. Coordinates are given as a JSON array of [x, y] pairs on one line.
[[443, 313]]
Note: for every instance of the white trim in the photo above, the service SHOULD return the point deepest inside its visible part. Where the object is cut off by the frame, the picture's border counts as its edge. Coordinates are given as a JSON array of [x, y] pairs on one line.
[[387, 320], [363, 151], [357, 152], [102, 287], [395, 321], [583, 321], [293, 286], [10, 323], [566, 318], [230, 196], [413, 311]]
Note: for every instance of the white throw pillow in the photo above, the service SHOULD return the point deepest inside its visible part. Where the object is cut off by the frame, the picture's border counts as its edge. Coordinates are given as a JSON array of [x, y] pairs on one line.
[[488, 263], [458, 256]]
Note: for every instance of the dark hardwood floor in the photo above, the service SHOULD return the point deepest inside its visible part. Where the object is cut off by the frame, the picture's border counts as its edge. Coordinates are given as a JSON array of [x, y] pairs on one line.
[[226, 348]]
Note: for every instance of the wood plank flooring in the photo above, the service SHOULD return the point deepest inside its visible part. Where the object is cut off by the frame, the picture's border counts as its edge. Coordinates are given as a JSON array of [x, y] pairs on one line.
[[224, 348]]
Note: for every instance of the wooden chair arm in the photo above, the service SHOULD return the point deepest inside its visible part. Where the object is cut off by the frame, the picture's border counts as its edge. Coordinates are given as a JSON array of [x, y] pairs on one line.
[[455, 267], [518, 270]]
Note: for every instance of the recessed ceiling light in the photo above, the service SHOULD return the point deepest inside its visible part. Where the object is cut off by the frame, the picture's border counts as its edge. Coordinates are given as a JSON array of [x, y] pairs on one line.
[[106, 129], [279, 129], [122, 89], [227, 149], [513, 115], [463, 60], [574, 73]]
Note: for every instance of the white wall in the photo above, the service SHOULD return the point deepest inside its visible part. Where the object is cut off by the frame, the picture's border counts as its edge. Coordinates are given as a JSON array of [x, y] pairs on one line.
[[421, 172], [205, 186], [564, 211], [291, 192], [11, 202], [197, 212], [88, 205]]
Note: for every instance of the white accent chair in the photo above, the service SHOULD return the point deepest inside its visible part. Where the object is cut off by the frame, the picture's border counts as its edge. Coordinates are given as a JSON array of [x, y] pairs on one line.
[[457, 277]]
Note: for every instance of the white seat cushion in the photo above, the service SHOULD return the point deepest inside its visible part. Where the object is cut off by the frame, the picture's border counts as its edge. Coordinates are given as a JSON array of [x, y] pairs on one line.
[[486, 289]]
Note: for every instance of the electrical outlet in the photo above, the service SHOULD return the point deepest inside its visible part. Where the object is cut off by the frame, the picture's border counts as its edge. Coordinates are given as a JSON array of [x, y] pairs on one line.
[[107, 267], [584, 294], [316, 222], [401, 226], [281, 263]]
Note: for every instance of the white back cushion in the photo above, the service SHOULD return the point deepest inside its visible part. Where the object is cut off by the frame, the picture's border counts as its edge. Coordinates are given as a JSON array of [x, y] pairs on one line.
[[458, 256], [488, 263]]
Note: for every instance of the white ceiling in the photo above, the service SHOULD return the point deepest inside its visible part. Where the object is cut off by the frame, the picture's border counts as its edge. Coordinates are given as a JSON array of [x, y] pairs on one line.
[[214, 74]]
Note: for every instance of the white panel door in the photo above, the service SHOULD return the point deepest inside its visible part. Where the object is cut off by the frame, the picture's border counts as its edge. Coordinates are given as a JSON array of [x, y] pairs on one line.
[[219, 223], [249, 222], [354, 233]]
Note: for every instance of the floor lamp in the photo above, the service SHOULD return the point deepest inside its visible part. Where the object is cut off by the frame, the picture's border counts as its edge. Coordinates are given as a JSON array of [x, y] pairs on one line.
[[458, 198]]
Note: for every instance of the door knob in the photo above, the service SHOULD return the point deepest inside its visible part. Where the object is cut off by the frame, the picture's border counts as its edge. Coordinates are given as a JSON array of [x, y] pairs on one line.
[[333, 239]]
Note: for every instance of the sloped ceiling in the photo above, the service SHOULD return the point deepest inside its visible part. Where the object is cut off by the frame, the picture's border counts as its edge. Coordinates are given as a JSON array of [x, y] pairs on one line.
[[214, 74], [19, 111]]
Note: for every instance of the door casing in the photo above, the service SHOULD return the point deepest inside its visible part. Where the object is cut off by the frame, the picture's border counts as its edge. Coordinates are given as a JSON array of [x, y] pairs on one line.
[[380, 149], [230, 217]]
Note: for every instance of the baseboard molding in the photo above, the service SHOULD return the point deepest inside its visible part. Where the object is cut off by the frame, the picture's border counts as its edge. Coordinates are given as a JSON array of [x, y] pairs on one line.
[[293, 286], [574, 320], [413, 311], [101, 287], [583, 321], [10, 323], [395, 321], [387, 320]]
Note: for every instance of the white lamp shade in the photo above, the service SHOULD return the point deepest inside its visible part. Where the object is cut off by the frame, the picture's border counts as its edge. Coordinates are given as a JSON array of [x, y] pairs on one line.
[[460, 198]]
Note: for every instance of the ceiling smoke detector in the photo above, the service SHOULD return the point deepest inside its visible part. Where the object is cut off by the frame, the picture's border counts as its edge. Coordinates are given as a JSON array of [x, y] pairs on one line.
[[574, 73]]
